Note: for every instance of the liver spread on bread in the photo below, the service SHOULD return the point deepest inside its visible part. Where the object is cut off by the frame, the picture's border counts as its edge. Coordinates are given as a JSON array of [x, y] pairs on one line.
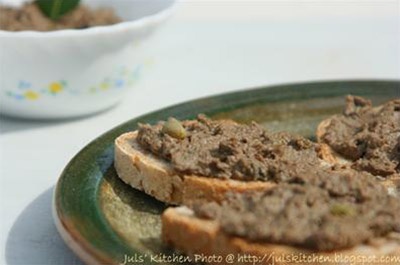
[[321, 217], [228, 150], [369, 137], [314, 205]]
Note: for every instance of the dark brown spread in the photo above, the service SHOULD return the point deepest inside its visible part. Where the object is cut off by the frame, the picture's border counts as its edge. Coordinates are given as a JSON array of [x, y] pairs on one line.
[[224, 149], [30, 17], [370, 137], [314, 205], [310, 216]]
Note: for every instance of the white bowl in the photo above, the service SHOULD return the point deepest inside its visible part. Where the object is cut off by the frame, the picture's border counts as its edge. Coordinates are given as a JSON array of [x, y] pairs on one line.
[[73, 72]]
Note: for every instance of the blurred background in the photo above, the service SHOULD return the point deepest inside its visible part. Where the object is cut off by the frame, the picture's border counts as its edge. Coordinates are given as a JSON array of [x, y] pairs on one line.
[[205, 48], [226, 45]]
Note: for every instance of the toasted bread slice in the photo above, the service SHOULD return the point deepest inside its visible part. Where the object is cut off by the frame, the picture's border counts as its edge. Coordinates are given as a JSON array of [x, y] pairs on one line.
[[331, 156], [144, 171], [354, 107], [180, 226]]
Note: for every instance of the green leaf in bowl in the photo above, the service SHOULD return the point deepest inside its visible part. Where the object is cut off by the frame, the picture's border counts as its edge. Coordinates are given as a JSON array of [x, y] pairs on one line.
[[54, 9]]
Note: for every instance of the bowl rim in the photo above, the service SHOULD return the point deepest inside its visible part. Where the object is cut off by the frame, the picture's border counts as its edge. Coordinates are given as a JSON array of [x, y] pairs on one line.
[[104, 29]]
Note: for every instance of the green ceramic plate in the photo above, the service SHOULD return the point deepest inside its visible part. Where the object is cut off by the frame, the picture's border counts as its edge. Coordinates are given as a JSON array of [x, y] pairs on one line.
[[104, 221]]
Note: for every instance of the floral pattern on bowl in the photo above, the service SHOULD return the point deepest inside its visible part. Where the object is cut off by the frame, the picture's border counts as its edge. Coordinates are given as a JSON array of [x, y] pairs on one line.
[[121, 78]]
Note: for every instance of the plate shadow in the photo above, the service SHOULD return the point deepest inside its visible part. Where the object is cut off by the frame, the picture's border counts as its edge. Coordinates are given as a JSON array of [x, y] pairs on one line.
[[34, 239]]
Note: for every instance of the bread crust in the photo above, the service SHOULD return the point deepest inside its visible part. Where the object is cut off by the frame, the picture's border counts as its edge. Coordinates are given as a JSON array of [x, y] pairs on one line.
[[180, 226], [144, 171]]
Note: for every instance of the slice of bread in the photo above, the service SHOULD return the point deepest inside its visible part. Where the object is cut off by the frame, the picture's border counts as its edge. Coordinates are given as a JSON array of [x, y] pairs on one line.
[[392, 183], [327, 153], [180, 226], [146, 172]]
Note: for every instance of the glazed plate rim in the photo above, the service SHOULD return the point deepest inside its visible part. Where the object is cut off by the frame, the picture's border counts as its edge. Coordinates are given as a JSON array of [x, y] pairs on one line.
[[64, 207]]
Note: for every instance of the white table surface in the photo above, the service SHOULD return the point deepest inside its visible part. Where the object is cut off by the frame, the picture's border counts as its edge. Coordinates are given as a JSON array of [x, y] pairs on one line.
[[206, 48]]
